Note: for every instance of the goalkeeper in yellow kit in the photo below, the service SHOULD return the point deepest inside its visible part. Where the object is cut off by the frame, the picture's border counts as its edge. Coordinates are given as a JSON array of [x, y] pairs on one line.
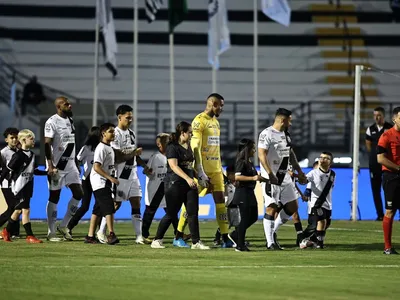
[[205, 144]]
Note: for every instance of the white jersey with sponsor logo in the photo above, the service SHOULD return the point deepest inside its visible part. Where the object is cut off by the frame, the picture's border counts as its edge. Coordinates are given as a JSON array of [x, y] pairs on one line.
[[125, 140], [278, 145], [62, 131], [229, 192], [157, 162], [86, 156], [6, 154], [318, 180], [104, 155], [22, 166]]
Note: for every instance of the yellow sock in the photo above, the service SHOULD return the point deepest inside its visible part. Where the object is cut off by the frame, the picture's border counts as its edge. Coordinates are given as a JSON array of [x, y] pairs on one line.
[[222, 218], [182, 219]]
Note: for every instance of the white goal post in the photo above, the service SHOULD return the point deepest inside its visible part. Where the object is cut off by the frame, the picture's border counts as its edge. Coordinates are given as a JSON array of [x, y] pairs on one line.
[[356, 140]]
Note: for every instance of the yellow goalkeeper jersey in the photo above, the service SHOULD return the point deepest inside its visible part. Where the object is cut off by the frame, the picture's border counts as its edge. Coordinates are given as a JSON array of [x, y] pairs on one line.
[[206, 133]]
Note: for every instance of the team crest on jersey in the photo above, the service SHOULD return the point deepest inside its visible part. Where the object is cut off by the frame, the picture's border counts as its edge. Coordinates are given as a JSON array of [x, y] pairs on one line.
[[196, 125]]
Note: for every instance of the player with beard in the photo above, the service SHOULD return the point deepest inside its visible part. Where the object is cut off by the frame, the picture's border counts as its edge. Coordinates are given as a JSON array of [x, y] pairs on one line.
[[62, 169], [205, 144], [274, 153]]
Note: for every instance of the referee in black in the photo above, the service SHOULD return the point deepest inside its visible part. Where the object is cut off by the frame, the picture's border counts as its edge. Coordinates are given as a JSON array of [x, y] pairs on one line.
[[375, 170]]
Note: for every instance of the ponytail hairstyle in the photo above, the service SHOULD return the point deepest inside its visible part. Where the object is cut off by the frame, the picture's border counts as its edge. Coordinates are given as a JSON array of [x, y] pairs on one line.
[[244, 148], [93, 138], [182, 127]]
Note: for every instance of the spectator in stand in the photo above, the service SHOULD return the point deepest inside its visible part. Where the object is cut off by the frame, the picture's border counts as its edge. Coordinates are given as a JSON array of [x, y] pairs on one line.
[[395, 6], [33, 94]]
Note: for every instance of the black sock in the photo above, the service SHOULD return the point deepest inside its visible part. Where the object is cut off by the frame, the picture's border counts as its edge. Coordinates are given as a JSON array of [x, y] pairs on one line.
[[179, 235], [217, 235], [15, 229], [298, 227], [320, 237], [225, 237], [28, 229], [10, 225]]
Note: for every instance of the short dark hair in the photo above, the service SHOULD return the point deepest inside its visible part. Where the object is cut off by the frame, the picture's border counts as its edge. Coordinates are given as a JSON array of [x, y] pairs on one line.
[[216, 95], [315, 164], [10, 131], [104, 127], [123, 109], [380, 109], [182, 126], [328, 153], [230, 169], [93, 137], [283, 112], [396, 110]]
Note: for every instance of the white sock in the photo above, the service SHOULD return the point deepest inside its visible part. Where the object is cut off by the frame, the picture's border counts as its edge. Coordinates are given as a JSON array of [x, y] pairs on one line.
[[137, 224], [71, 210], [103, 225], [269, 230], [280, 220], [51, 210]]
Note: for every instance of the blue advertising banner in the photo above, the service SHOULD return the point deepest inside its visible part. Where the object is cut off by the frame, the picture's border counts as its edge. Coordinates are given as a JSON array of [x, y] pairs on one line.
[[341, 199]]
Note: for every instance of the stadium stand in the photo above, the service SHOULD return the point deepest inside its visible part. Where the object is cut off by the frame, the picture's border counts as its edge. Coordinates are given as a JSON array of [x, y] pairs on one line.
[[306, 67]]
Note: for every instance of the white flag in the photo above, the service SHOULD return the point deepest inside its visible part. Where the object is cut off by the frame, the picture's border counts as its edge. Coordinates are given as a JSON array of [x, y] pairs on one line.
[[151, 8], [109, 41], [277, 10], [218, 32]]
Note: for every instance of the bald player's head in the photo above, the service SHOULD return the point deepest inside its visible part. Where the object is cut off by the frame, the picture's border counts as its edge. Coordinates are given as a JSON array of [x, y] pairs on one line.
[[63, 106], [215, 104]]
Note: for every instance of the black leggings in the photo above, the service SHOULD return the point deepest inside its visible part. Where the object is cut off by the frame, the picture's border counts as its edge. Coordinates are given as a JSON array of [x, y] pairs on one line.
[[246, 199], [85, 203], [176, 194], [151, 210], [11, 201]]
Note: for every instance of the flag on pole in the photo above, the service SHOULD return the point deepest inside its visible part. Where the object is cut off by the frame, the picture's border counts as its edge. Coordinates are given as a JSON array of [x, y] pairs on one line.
[[277, 10], [177, 11], [108, 40], [219, 39], [152, 7]]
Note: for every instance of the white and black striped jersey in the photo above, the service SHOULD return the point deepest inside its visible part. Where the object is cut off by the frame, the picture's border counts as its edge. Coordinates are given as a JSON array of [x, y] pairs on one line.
[[22, 167], [6, 154], [86, 156], [125, 140], [158, 163], [318, 180], [62, 131], [278, 145], [104, 155]]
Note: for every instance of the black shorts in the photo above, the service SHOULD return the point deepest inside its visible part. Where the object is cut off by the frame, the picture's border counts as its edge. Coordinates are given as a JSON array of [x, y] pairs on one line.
[[391, 188], [320, 214], [104, 204], [23, 203]]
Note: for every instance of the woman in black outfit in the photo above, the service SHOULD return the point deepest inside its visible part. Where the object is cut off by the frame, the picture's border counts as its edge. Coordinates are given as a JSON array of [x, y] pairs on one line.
[[180, 188], [245, 176]]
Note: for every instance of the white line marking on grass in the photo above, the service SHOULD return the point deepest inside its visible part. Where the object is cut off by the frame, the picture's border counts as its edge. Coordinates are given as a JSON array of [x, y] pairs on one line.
[[224, 267]]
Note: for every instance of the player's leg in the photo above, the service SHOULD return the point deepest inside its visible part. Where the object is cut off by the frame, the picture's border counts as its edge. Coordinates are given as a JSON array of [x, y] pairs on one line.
[[96, 215], [11, 201], [85, 204], [376, 184], [391, 188], [297, 225], [150, 212], [5, 233], [73, 181], [26, 223], [320, 233], [51, 209], [101, 233], [182, 220], [135, 196], [107, 208], [271, 198], [218, 187]]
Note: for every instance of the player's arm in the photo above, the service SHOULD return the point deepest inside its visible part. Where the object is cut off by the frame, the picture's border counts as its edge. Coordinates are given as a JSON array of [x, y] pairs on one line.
[[97, 167], [262, 157], [13, 165], [146, 170], [294, 162], [196, 145], [382, 147], [149, 166], [173, 163], [49, 155], [368, 140]]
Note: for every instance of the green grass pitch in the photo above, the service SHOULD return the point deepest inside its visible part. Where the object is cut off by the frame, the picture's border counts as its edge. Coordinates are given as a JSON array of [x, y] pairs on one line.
[[351, 267]]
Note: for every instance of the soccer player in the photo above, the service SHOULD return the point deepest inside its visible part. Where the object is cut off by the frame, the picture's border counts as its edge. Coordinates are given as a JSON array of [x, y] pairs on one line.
[[20, 171], [154, 195], [274, 153], [59, 147], [388, 155], [11, 138], [230, 186], [375, 170], [103, 179], [321, 180], [246, 177], [296, 217], [206, 149], [180, 188], [129, 186], [85, 157]]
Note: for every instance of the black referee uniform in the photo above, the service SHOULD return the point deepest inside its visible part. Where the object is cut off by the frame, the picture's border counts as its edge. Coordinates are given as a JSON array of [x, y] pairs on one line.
[[375, 170]]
